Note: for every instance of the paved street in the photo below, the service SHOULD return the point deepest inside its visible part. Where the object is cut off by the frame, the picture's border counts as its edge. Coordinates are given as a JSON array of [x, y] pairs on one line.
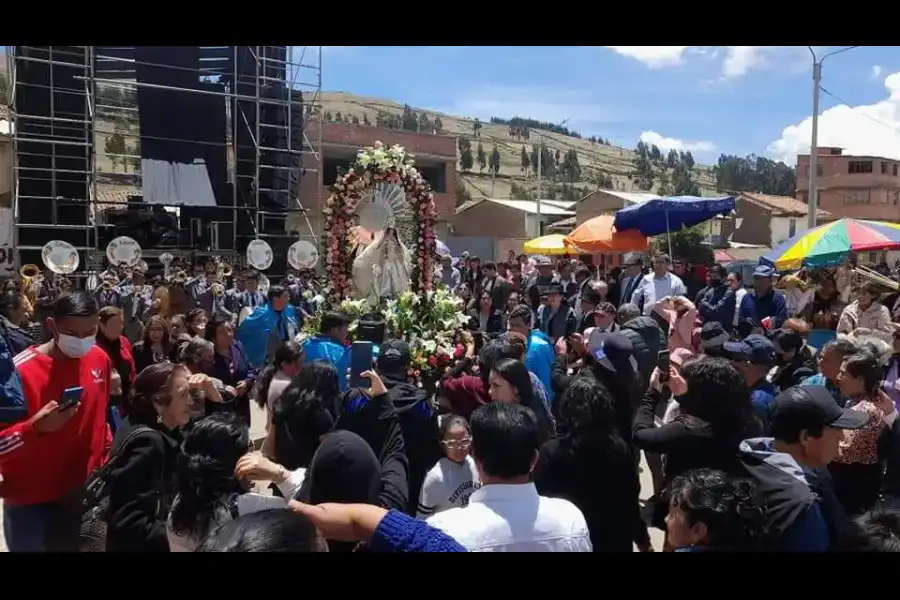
[[258, 428]]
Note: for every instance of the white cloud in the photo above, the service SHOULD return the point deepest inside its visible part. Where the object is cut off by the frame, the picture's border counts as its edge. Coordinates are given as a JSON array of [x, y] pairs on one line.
[[652, 56], [876, 72], [551, 106], [667, 143], [872, 129], [737, 61]]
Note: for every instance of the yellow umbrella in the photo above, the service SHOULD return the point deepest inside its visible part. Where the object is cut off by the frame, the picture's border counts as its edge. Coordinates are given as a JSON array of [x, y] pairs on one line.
[[550, 245]]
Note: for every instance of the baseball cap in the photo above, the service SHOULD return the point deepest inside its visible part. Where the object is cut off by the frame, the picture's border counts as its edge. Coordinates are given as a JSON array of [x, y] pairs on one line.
[[613, 352], [763, 271], [394, 356], [713, 335], [809, 407], [755, 348]]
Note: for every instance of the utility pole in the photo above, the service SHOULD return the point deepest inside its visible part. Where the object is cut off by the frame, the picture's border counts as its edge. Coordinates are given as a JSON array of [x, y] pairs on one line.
[[814, 147], [814, 141]]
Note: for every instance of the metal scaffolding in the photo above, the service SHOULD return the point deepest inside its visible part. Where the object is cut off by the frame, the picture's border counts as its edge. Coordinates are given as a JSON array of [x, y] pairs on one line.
[[107, 84]]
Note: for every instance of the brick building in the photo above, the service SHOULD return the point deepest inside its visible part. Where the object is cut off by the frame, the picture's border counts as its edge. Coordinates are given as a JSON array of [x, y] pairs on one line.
[[862, 187], [435, 157]]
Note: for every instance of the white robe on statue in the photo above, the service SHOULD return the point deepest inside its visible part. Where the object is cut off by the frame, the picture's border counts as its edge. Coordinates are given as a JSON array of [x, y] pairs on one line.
[[383, 269]]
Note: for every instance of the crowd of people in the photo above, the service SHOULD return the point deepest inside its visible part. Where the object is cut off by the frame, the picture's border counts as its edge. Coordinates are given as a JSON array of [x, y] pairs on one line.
[[766, 415]]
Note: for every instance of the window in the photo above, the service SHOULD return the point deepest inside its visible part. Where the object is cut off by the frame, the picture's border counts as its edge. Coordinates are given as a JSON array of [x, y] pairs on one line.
[[883, 168], [331, 166], [792, 227], [894, 197], [857, 197], [436, 176], [859, 166], [818, 170]]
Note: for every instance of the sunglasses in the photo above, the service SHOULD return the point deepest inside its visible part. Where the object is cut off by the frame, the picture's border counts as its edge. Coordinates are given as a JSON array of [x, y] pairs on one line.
[[457, 444]]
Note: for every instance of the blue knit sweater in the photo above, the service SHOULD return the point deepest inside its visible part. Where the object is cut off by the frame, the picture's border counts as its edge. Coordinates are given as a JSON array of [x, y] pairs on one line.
[[398, 532]]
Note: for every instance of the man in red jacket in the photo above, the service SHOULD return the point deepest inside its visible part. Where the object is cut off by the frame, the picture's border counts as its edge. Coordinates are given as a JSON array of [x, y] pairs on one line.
[[46, 458]]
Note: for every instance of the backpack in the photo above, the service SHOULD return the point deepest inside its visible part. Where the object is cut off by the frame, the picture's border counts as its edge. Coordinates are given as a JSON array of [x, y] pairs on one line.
[[12, 398], [95, 496]]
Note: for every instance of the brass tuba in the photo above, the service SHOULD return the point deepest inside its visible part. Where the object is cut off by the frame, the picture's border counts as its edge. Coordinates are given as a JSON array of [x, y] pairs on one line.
[[31, 280]]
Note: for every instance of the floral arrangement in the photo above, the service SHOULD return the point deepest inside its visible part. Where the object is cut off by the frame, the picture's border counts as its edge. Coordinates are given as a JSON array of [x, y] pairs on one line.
[[430, 322], [375, 165]]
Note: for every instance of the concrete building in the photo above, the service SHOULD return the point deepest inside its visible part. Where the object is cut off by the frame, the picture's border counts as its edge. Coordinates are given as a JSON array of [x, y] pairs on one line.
[[607, 202], [435, 157], [7, 236], [861, 187], [764, 220]]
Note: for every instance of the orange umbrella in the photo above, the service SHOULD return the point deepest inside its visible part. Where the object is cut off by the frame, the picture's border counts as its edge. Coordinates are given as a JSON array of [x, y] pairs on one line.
[[599, 235]]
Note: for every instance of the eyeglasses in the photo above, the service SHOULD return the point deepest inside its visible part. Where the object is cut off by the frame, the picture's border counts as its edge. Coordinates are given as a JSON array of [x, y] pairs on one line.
[[462, 444]]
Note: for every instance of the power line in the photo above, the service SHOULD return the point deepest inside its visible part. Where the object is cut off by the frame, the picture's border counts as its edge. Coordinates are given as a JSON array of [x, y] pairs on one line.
[[856, 110]]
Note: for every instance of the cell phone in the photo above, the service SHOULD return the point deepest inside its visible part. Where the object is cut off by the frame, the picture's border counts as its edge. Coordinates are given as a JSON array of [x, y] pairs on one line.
[[71, 397], [662, 363], [478, 339], [361, 356]]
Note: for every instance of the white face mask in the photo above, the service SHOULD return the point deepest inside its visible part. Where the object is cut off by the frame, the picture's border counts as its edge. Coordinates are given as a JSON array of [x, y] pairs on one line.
[[74, 347]]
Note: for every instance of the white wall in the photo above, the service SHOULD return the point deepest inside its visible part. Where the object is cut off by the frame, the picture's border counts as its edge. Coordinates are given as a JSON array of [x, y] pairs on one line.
[[7, 243], [781, 228]]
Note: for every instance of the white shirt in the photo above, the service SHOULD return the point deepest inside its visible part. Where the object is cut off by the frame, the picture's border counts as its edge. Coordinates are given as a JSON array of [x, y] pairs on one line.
[[447, 485], [246, 504], [653, 289], [514, 518], [738, 298]]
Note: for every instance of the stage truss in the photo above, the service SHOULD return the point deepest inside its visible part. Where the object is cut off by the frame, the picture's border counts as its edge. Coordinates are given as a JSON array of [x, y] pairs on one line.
[[106, 79]]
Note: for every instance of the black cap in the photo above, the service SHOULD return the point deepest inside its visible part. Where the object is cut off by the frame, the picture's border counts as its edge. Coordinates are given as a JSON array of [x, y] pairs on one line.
[[713, 335], [555, 288], [811, 407], [393, 357], [591, 295]]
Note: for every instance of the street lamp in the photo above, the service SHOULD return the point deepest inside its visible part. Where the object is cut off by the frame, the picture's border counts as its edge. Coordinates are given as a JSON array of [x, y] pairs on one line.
[[814, 142]]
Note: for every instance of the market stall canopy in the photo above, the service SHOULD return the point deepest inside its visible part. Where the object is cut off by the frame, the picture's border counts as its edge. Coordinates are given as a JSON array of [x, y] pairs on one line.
[[552, 245], [599, 235], [829, 244], [670, 214]]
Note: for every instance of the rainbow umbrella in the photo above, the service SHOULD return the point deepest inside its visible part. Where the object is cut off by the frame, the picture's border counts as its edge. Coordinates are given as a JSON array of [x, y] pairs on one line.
[[829, 244]]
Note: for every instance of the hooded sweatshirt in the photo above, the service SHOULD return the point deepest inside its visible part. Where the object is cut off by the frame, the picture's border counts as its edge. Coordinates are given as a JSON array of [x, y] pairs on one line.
[[539, 359], [346, 470], [796, 521]]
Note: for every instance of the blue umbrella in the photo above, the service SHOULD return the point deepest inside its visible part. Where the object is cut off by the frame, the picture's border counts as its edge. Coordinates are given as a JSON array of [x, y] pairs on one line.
[[664, 215]]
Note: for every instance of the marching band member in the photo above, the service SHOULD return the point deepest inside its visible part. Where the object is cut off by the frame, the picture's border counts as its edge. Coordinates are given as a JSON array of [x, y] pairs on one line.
[[108, 294], [268, 326], [137, 306], [251, 297], [208, 293], [233, 293]]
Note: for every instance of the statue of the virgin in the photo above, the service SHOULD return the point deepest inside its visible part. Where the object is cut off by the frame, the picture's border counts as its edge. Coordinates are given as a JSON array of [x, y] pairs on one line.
[[383, 268]]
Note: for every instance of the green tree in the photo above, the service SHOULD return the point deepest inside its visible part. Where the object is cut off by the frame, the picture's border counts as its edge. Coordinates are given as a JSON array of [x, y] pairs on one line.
[[328, 115], [570, 169], [476, 127], [494, 161], [115, 147], [672, 159], [338, 117], [480, 157], [365, 119], [642, 175], [526, 160], [687, 244], [754, 174], [409, 120], [466, 161], [655, 155]]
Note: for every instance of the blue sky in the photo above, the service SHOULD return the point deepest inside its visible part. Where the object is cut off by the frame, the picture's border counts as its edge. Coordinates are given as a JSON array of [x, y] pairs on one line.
[[733, 99]]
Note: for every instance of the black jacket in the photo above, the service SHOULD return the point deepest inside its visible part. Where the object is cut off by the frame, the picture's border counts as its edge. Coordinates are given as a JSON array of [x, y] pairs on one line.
[[141, 489], [603, 483], [647, 339]]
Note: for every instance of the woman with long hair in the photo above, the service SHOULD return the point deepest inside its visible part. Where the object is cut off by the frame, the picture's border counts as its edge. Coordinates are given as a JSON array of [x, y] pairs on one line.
[[275, 378], [590, 465], [143, 468], [195, 322], [303, 414], [118, 348], [231, 366], [485, 318], [715, 416], [156, 345], [510, 382], [213, 480], [858, 468]]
